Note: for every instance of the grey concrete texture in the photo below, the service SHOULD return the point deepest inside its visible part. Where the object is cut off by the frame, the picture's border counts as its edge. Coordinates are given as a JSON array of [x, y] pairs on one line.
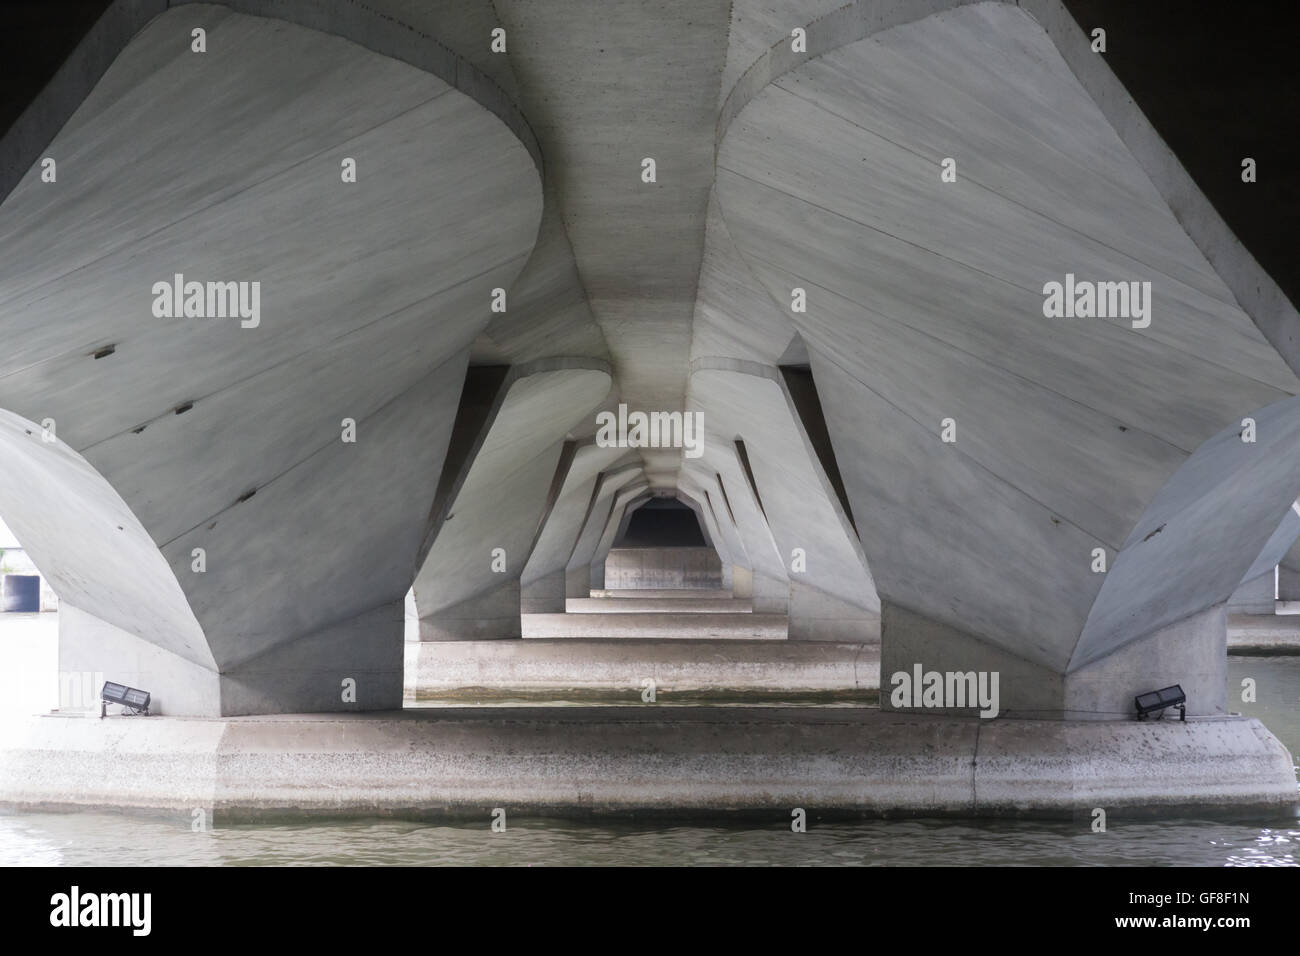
[[1255, 596], [578, 497], [263, 406], [1288, 574], [636, 760], [806, 523], [663, 568], [1264, 635], [604, 511], [638, 244], [663, 626], [817, 616], [670, 605], [623, 503], [1189, 653], [521, 171], [562, 669], [577, 583], [488, 615], [1278, 547], [1090, 433], [669, 594], [545, 595], [491, 524]]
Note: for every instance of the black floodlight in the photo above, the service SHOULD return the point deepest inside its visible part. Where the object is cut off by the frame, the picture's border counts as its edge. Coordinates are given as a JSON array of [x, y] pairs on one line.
[[136, 700], [1157, 700]]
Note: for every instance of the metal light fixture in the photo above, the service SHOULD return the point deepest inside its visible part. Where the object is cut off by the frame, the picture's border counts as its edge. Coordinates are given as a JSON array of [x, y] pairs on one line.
[[1156, 701], [137, 701]]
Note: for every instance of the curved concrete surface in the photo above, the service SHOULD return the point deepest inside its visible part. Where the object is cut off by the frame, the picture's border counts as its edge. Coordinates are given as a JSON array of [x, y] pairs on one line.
[[1072, 434], [367, 314]]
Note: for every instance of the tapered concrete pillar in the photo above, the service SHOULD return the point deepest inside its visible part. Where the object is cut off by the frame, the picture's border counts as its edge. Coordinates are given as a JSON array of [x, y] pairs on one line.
[[507, 483]]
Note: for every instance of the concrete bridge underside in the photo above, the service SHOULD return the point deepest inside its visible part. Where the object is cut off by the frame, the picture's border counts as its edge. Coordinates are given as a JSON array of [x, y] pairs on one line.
[[914, 457]]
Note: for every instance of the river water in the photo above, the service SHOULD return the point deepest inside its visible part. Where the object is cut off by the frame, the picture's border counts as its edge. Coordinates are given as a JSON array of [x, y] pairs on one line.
[[99, 838]]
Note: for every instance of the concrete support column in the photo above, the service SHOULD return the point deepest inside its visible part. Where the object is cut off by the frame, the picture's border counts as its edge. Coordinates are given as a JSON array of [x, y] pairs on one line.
[[354, 665], [1191, 652], [92, 651], [770, 595], [349, 666], [545, 595], [818, 616], [577, 582], [488, 616], [1254, 596]]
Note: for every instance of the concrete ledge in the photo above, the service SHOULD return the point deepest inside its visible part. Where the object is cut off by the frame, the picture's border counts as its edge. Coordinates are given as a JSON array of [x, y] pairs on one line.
[[661, 605], [697, 761], [657, 625], [1263, 636], [614, 669], [674, 593], [1209, 762]]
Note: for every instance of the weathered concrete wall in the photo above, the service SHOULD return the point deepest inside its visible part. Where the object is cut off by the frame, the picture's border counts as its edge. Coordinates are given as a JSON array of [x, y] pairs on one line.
[[606, 669], [663, 568], [1191, 653], [680, 626], [637, 759]]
